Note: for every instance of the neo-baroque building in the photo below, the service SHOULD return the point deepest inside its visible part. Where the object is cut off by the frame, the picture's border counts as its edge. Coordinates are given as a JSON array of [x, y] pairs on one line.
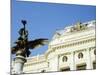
[[72, 48]]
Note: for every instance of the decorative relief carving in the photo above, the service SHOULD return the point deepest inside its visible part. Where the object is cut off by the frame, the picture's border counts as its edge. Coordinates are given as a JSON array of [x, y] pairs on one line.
[[65, 58], [80, 55]]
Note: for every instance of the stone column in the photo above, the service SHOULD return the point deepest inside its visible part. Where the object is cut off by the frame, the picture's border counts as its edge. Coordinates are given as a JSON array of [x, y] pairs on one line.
[[19, 63], [88, 59], [72, 65]]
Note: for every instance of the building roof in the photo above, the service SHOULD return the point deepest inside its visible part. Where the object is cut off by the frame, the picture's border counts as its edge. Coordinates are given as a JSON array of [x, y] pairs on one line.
[[72, 28]]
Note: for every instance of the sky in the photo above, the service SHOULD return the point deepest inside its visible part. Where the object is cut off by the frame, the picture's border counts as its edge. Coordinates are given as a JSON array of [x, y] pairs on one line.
[[43, 19]]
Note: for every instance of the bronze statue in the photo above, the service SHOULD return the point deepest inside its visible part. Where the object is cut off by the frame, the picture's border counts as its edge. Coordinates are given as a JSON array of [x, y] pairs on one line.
[[23, 45]]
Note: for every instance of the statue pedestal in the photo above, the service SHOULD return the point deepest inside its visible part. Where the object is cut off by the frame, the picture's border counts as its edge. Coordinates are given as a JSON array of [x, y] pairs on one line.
[[19, 63]]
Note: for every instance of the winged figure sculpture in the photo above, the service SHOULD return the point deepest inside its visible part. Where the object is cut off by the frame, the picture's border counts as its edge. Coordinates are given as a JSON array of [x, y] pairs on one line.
[[23, 46]]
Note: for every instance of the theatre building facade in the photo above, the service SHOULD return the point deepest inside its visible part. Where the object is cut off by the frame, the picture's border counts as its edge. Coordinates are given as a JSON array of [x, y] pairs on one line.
[[72, 48]]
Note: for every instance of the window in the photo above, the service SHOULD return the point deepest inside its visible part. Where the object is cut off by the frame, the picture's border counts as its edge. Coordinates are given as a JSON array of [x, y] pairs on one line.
[[94, 65], [94, 52], [81, 67], [64, 59], [80, 55], [43, 71], [65, 69]]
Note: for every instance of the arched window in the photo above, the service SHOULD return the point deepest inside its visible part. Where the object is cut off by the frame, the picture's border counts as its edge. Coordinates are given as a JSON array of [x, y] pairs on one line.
[[64, 59], [80, 55]]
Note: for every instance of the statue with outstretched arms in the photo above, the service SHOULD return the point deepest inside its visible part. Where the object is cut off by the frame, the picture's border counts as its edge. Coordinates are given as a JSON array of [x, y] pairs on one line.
[[22, 47]]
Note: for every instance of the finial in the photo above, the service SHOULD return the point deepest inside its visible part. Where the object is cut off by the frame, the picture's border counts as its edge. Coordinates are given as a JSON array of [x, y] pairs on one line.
[[23, 22]]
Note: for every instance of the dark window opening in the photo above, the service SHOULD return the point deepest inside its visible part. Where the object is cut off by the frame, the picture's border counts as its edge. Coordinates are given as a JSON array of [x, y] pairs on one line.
[[43, 71], [81, 67], [94, 52], [94, 65], [65, 69]]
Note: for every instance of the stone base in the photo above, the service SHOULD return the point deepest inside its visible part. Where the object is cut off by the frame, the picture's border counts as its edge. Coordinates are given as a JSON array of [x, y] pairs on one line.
[[19, 63]]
